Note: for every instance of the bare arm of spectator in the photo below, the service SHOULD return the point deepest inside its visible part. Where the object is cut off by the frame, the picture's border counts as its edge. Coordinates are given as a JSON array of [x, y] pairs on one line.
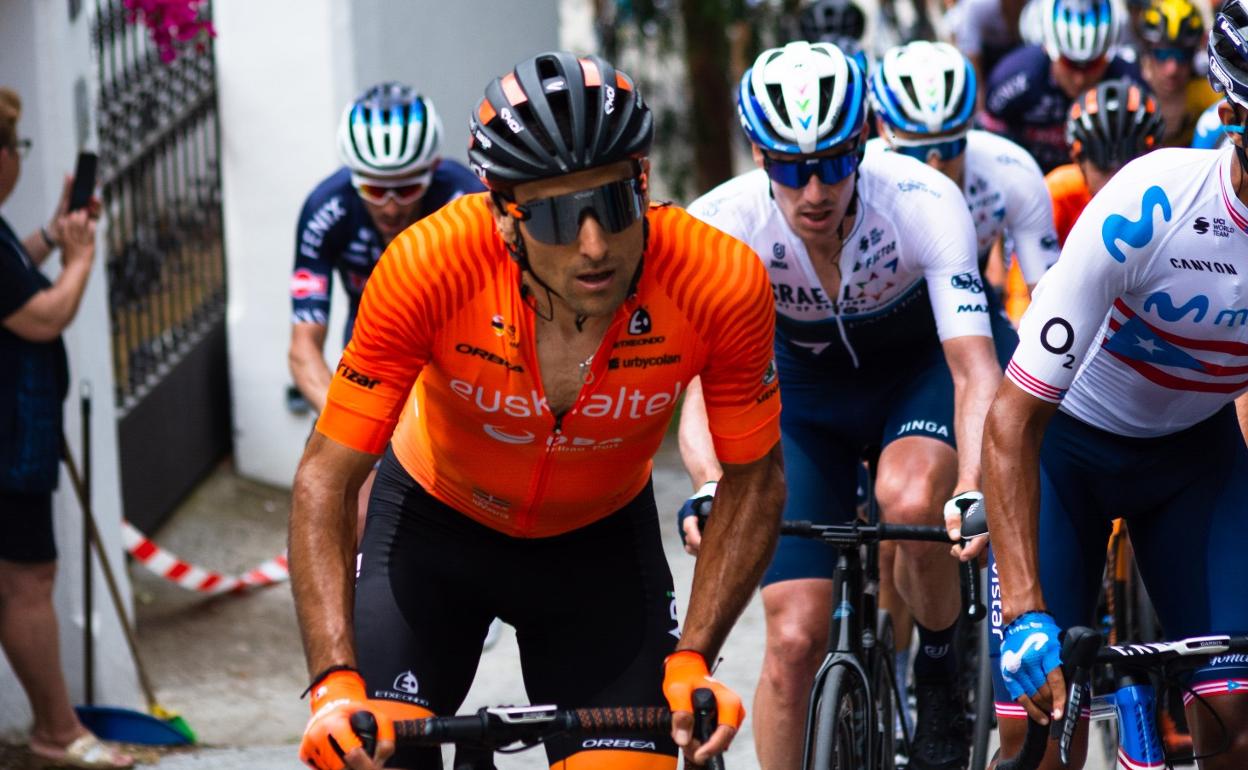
[[47, 313]]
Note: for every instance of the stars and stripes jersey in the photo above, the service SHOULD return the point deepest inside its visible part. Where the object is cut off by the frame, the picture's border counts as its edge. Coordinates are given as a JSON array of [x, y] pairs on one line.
[[335, 232], [1006, 195], [443, 312], [909, 277], [1141, 328]]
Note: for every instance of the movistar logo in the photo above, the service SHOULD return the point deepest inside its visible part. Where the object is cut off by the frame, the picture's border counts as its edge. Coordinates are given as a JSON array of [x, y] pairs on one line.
[[1012, 660], [1135, 232]]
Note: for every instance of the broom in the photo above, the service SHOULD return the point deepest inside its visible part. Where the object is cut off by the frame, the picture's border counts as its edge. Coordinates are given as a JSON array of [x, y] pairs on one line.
[[171, 718]]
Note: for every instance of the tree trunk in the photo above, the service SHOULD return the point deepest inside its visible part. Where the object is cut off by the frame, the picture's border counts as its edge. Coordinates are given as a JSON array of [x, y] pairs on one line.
[[712, 107]]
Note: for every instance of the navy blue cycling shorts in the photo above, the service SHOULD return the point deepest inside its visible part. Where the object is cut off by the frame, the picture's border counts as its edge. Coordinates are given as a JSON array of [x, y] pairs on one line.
[[828, 423], [1185, 500]]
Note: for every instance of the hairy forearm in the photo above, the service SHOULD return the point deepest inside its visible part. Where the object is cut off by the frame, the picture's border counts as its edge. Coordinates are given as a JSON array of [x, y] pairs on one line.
[[697, 449], [1011, 462], [974, 387], [321, 551], [308, 368], [737, 545]]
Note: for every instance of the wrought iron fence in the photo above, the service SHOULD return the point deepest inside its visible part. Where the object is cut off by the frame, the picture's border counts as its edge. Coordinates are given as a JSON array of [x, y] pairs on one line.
[[159, 148]]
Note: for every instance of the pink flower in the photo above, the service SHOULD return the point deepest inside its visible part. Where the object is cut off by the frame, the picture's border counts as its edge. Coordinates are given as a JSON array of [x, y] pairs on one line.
[[172, 24]]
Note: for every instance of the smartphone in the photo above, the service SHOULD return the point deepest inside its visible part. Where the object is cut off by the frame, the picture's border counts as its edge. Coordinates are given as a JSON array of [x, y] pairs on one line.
[[84, 181]]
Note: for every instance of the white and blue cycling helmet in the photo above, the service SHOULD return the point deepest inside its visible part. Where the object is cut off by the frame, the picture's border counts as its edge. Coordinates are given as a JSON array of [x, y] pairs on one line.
[[390, 132], [802, 99], [924, 88], [1079, 30]]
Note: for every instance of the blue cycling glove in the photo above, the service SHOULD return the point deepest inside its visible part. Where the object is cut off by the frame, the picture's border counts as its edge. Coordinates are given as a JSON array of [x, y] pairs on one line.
[[699, 504], [1030, 650]]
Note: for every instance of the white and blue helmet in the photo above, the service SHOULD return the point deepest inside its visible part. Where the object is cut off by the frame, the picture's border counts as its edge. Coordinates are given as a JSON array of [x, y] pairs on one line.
[[1079, 30], [925, 88], [802, 99], [390, 131]]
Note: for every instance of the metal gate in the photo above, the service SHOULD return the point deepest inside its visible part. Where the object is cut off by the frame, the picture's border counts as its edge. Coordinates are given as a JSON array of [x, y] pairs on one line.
[[159, 148]]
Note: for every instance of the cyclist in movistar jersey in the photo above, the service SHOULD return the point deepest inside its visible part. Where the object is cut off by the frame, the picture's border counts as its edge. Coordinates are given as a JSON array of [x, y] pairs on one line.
[[392, 175], [1030, 90], [878, 299], [526, 350], [1171, 32], [1118, 404]]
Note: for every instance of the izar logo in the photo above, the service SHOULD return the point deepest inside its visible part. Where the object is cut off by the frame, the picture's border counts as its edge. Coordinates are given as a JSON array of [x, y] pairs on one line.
[[639, 323], [406, 682], [1135, 232]]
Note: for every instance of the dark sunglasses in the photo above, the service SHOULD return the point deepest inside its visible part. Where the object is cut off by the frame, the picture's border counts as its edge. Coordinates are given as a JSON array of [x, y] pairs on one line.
[[1082, 66], [797, 173], [946, 150], [1181, 55], [557, 220]]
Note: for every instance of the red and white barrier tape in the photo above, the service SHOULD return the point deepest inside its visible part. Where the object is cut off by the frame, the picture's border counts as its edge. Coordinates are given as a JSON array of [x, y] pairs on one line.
[[160, 562]]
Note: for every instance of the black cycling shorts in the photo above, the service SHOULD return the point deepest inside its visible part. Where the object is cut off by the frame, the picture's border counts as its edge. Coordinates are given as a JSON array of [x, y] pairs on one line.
[[594, 610]]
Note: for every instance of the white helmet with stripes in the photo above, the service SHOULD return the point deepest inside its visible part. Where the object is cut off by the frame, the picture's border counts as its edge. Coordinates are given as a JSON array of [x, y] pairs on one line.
[[1079, 30], [390, 131]]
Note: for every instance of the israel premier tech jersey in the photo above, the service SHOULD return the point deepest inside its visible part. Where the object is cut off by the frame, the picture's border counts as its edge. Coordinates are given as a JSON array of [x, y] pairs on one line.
[[908, 268], [1141, 328], [336, 232], [1005, 193], [443, 311]]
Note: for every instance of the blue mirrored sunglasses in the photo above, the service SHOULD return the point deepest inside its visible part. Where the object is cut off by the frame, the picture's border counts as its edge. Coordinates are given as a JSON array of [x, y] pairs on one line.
[[1183, 55], [946, 150], [797, 173]]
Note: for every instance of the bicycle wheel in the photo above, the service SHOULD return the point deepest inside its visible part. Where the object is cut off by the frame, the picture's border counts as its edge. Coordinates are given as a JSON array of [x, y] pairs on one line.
[[883, 683], [840, 729]]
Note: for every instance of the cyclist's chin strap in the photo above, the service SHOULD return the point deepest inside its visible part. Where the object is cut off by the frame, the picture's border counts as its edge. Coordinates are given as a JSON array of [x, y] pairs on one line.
[[850, 211]]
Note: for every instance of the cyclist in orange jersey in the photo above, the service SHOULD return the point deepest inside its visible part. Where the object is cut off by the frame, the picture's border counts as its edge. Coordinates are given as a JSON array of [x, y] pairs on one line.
[[545, 332]]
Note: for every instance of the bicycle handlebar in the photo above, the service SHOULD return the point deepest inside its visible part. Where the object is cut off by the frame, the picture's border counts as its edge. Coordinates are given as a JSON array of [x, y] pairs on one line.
[[856, 533], [499, 727], [502, 726], [1082, 648]]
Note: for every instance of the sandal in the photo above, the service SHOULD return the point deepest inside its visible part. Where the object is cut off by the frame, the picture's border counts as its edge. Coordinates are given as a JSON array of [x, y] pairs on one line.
[[87, 751]]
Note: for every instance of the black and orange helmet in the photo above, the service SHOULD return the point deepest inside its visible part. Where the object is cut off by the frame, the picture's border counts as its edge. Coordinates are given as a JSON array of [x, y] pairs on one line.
[[1172, 24], [556, 114], [1113, 123]]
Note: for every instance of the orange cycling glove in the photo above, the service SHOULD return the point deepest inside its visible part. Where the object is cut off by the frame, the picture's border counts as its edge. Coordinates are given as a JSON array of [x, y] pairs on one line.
[[685, 671], [328, 736]]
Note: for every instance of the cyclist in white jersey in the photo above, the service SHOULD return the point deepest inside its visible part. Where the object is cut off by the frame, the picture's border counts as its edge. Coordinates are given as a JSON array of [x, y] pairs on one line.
[[1118, 403], [872, 265], [923, 96]]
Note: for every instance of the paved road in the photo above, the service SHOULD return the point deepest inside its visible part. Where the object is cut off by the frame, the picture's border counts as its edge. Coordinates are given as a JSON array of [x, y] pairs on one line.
[[233, 666]]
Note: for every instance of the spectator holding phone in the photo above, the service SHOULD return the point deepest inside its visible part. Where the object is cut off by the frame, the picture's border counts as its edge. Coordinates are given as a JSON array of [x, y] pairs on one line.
[[33, 383]]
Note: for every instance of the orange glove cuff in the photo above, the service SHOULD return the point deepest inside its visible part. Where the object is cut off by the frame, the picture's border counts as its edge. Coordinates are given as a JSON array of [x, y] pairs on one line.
[[338, 686]]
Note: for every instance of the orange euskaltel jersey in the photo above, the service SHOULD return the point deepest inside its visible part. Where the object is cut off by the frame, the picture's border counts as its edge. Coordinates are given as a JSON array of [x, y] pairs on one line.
[[443, 310]]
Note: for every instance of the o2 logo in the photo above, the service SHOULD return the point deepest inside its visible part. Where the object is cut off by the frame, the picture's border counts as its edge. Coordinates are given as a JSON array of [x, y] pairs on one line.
[[1058, 337]]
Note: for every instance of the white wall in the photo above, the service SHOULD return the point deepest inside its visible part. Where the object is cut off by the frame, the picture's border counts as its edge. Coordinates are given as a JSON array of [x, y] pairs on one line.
[[31, 30], [329, 52], [284, 73]]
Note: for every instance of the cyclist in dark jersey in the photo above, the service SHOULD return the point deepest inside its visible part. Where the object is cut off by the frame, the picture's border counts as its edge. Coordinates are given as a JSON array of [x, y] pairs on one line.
[[392, 176], [1030, 90]]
